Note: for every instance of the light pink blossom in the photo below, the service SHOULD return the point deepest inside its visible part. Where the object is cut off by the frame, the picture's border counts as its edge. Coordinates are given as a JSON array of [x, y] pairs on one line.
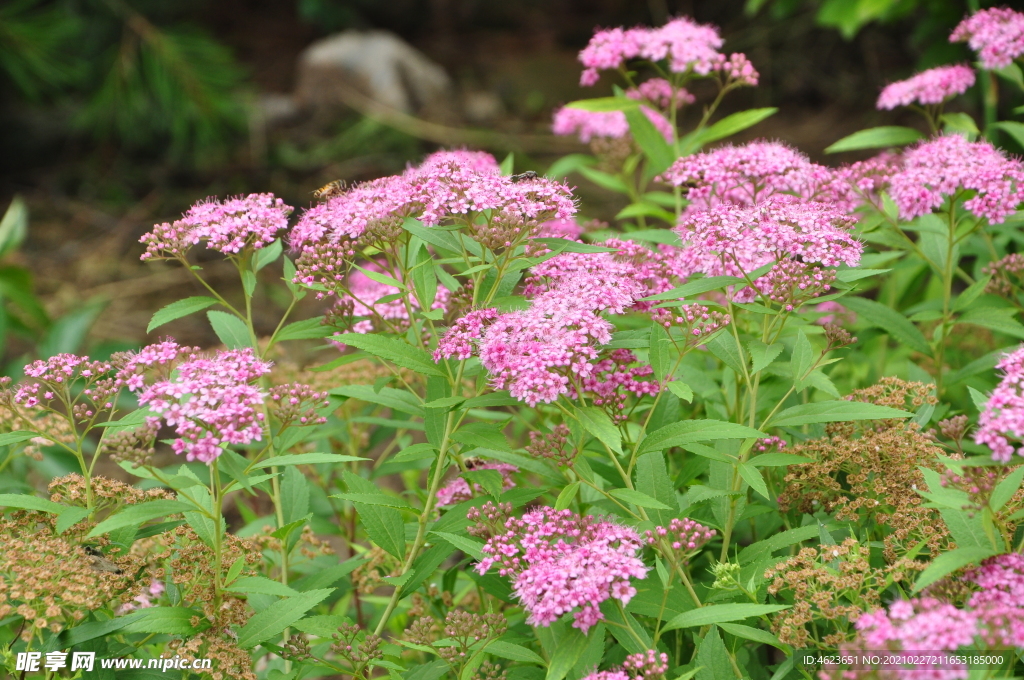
[[930, 87], [458, 489], [587, 125], [1002, 419], [996, 34]]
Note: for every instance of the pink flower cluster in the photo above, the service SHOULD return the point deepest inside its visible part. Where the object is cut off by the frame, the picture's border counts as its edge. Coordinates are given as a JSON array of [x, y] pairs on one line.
[[552, 347], [938, 168], [560, 561], [359, 299], [1002, 420], [211, 401], [747, 174], [996, 34], [660, 93], [458, 186], [647, 665], [687, 46], [144, 599], [587, 125], [228, 226], [683, 535], [733, 240], [613, 379], [869, 177], [55, 376], [458, 490], [993, 616], [927, 88]]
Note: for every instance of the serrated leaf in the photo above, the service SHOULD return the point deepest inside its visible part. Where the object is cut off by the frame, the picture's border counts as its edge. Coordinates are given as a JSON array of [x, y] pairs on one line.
[[267, 255], [566, 496], [803, 357], [704, 285], [834, 412], [604, 104], [690, 431], [278, 616], [231, 330], [948, 562], [596, 422], [681, 390], [26, 502], [1005, 490], [638, 498], [307, 329], [1001, 320], [166, 620], [728, 126], [778, 460], [398, 400], [135, 515], [763, 355], [659, 154], [750, 633], [179, 309], [507, 650], [490, 480], [719, 613], [659, 351], [566, 653], [306, 459], [8, 438], [876, 138], [383, 525], [381, 499], [467, 545], [752, 476], [394, 350], [894, 323], [724, 347]]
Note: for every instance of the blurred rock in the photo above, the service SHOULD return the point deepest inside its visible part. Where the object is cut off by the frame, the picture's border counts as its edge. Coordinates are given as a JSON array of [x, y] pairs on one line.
[[481, 106], [275, 108], [377, 63]]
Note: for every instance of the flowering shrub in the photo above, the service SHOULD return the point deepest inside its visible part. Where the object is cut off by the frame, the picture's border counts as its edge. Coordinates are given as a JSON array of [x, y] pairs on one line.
[[510, 447]]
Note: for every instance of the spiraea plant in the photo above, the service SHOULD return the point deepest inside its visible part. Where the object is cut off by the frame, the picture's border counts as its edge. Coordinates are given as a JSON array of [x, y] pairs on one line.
[[776, 408]]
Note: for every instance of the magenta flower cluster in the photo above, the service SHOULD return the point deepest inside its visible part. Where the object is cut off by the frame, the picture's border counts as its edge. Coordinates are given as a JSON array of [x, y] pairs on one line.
[[588, 125], [211, 402], [561, 562], [734, 240], [683, 536], [748, 174], [992, 618], [1002, 419], [228, 226], [661, 94], [927, 88], [447, 186], [647, 665], [938, 168], [688, 47], [360, 299], [996, 34]]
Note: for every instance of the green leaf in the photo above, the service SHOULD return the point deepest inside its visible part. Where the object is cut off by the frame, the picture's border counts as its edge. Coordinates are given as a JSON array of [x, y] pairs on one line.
[[561, 245], [1006, 488], [875, 314], [381, 278], [763, 355], [178, 309], [566, 496], [697, 287], [278, 616], [397, 400], [383, 524], [948, 562], [26, 502], [267, 255], [719, 613], [637, 498], [566, 653], [1000, 320], [753, 477], [1012, 128], [8, 438], [381, 499], [725, 348], [659, 352], [307, 329], [507, 650], [490, 480], [604, 180], [979, 399], [681, 390], [961, 124], [69, 517], [876, 138], [731, 124], [166, 620], [834, 412], [262, 585], [306, 459], [437, 237], [394, 350], [231, 330], [778, 460], [604, 105], [135, 515], [777, 541], [13, 226], [467, 545], [691, 431], [749, 633], [659, 154], [803, 357], [596, 422], [424, 279]]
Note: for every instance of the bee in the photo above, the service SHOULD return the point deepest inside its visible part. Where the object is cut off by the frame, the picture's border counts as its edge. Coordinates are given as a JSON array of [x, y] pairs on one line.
[[98, 561], [529, 174], [330, 190], [472, 463]]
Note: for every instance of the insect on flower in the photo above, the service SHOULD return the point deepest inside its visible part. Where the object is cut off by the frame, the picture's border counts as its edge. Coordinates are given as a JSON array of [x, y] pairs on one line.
[[330, 190], [98, 561], [529, 174]]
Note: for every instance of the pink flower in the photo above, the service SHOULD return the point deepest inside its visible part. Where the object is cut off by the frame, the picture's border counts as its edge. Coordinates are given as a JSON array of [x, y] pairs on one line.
[[687, 46], [611, 124], [560, 561], [660, 93], [872, 176], [996, 34], [1003, 416], [747, 174], [938, 168], [359, 300], [930, 87], [211, 402], [457, 490], [227, 226]]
